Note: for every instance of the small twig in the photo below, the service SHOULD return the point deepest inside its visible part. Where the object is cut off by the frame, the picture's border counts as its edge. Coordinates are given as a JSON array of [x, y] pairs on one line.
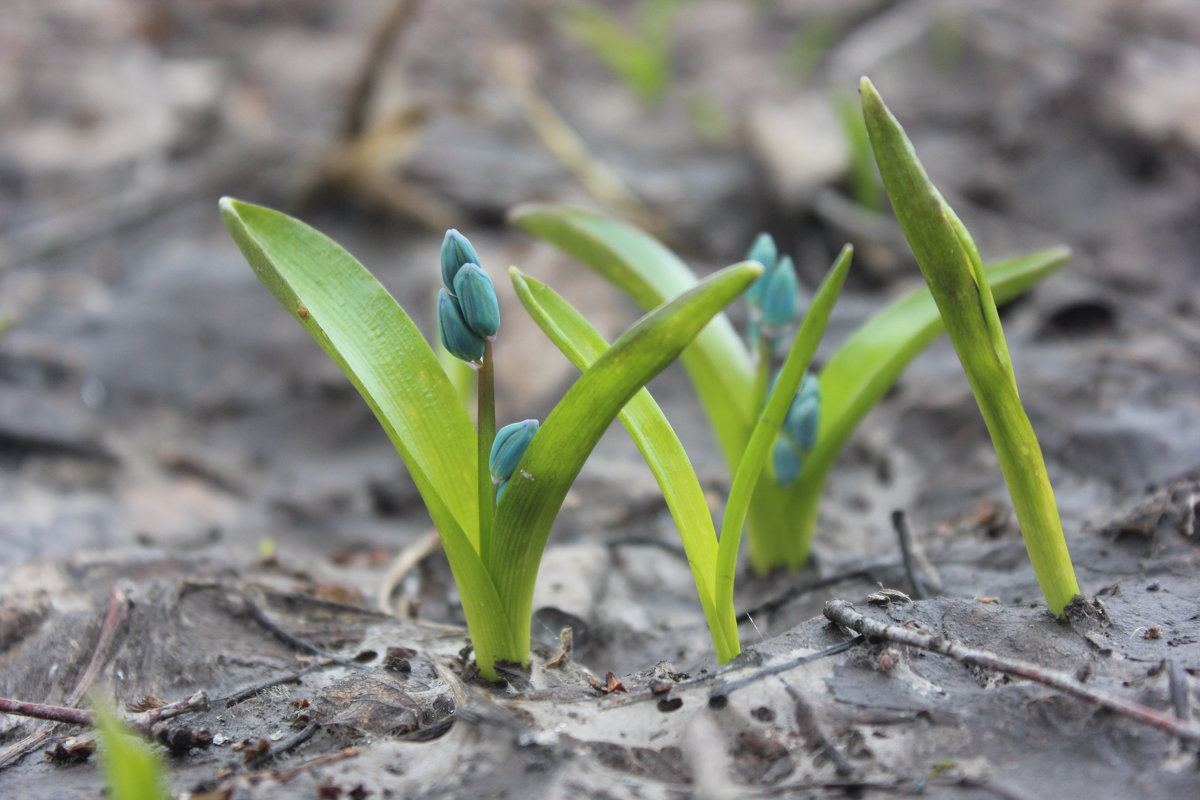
[[720, 696], [811, 730], [383, 39], [904, 534], [404, 562], [72, 716], [114, 618], [284, 745], [1177, 680], [246, 692], [776, 603], [844, 614]]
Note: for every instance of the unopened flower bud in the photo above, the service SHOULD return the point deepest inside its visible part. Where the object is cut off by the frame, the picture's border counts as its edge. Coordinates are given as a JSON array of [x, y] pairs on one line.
[[456, 251], [457, 337], [804, 417], [507, 448], [786, 460], [780, 295], [764, 252], [477, 300]]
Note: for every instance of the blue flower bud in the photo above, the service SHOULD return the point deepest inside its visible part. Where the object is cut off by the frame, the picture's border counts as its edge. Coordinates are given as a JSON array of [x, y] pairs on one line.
[[457, 338], [477, 300], [804, 417], [764, 252], [786, 460], [508, 447], [456, 251], [779, 297], [500, 491]]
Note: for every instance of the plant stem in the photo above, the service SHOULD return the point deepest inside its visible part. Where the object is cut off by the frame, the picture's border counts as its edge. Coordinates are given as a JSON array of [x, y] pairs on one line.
[[486, 424], [762, 368]]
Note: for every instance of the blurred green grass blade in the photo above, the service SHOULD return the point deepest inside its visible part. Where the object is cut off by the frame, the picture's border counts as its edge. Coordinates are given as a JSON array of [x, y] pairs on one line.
[[566, 438], [652, 433], [800, 355], [869, 363], [952, 269], [133, 770], [366, 333], [718, 363]]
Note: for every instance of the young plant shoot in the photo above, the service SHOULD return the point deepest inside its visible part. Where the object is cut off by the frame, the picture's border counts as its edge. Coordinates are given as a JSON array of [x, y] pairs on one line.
[[492, 497], [954, 272], [731, 378], [713, 562], [133, 770]]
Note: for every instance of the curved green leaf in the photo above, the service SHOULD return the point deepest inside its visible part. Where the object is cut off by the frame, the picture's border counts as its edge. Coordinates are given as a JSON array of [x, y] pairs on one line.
[[717, 362], [858, 375], [953, 271], [366, 333], [745, 479], [652, 433], [554, 458]]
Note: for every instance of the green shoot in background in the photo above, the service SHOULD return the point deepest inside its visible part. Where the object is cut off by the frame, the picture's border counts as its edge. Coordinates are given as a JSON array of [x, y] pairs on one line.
[[494, 552], [133, 770], [954, 272], [640, 58], [781, 519]]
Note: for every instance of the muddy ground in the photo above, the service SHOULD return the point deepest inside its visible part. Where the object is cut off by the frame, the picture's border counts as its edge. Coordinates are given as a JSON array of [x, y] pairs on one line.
[[194, 499]]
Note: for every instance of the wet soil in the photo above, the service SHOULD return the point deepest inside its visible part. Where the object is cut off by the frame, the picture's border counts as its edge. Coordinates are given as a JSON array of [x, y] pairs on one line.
[[167, 433]]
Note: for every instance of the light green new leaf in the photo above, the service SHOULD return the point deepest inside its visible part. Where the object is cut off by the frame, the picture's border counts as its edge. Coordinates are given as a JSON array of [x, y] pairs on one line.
[[717, 362], [652, 433], [366, 333], [573, 427], [132, 768], [952, 269], [746, 477], [868, 364]]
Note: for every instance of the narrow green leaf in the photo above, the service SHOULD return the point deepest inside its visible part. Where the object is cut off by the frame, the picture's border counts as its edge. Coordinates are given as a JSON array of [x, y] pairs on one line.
[[951, 266], [554, 458], [132, 768], [652, 433], [717, 362], [366, 333], [853, 380], [745, 479]]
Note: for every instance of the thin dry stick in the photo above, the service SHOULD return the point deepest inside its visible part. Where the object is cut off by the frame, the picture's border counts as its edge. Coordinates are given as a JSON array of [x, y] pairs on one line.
[[383, 39], [401, 565], [82, 716], [114, 617], [843, 613]]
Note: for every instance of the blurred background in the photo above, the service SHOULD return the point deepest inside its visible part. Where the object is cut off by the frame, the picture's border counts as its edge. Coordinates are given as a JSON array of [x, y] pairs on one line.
[[154, 399]]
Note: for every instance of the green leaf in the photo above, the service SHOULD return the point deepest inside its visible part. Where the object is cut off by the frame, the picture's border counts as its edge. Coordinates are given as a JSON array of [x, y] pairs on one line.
[[132, 768], [952, 269], [859, 374], [554, 458], [745, 478], [717, 362], [652, 433], [366, 333]]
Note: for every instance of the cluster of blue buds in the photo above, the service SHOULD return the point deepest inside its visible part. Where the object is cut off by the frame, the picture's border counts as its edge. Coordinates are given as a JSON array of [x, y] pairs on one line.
[[799, 433], [510, 444], [468, 311], [773, 298]]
